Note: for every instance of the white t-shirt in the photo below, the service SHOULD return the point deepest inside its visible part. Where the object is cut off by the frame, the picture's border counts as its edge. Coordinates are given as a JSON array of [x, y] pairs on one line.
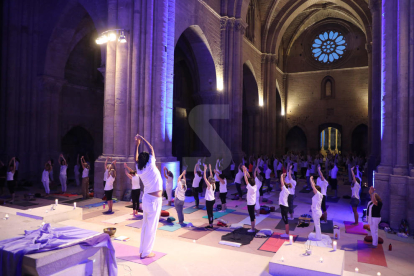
[[180, 191], [63, 169], [85, 173], [10, 176], [312, 168], [45, 176], [216, 176], [292, 190], [251, 194], [209, 193], [283, 197], [279, 166], [239, 177], [267, 173], [323, 184], [135, 182], [106, 174], [355, 190], [334, 172], [109, 184], [223, 187], [317, 202], [150, 176], [196, 181], [304, 164], [76, 169], [170, 183], [258, 183]]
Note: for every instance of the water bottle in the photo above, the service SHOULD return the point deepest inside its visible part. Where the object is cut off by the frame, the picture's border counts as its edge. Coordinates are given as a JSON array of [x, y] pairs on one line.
[[390, 247], [104, 205]]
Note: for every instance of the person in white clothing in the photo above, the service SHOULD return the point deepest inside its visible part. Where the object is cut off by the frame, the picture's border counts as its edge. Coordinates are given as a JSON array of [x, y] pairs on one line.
[[108, 168], [223, 190], [316, 209], [11, 183], [374, 215], [291, 196], [196, 185], [169, 176], [85, 178], [250, 197], [283, 203], [267, 179], [180, 197], [136, 188], [76, 171], [109, 189], [45, 177], [355, 188], [232, 169], [334, 180], [238, 180], [151, 201], [63, 172], [323, 183], [210, 199], [258, 179]]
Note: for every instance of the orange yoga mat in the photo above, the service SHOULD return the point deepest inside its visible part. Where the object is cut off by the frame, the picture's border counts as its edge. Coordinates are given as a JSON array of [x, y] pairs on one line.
[[273, 243], [371, 255]]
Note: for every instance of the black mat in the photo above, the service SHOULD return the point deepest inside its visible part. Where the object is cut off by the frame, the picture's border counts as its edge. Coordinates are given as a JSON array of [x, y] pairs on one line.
[[327, 227], [304, 191], [240, 236], [25, 203], [278, 209], [292, 225], [332, 199], [75, 200]]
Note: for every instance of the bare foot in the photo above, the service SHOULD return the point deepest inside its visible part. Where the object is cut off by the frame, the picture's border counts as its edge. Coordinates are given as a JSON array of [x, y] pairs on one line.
[[150, 255]]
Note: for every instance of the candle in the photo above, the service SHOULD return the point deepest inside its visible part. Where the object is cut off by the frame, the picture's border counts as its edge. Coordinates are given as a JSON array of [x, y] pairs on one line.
[[291, 239], [74, 205], [356, 270], [56, 201], [43, 223], [6, 216], [282, 259], [321, 260], [334, 245], [379, 274]]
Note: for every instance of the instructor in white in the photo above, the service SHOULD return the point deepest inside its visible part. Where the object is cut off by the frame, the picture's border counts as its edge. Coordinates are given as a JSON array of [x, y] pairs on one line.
[[152, 200]]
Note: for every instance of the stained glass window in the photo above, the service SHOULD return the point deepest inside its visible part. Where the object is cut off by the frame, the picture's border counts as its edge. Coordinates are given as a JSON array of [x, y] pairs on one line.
[[328, 46]]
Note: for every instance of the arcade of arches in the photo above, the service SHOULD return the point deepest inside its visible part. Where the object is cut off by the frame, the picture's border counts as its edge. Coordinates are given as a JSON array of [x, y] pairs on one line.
[[280, 70]]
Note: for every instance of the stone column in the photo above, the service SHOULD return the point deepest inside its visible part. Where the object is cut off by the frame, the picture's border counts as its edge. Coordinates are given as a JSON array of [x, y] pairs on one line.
[[336, 140], [329, 138], [323, 140]]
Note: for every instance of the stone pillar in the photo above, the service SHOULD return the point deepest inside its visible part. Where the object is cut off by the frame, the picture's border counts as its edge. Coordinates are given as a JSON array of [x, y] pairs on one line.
[[323, 140], [336, 140], [329, 138]]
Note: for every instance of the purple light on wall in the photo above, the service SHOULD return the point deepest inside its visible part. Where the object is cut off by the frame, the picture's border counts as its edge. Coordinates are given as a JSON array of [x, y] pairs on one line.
[[382, 67]]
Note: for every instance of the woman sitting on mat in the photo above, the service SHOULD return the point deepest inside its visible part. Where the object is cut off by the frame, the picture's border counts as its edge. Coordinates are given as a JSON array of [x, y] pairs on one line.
[[316, 208], [223, 189], [283, 203], [210, 200], [180, 197], [355, 188], [251, 197], [136, 188], [169, 176]]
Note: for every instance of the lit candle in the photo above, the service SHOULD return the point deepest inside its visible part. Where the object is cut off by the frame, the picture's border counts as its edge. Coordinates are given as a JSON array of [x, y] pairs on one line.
[[291, 239], [379, 274], [321, 260], [334, 245], [282, 259], [74, 205], [356, 270], [7, 216], [56, 201], [43, 223]]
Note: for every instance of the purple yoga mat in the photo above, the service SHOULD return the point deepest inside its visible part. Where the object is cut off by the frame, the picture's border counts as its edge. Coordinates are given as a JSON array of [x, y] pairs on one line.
[[355, 229], [137, 224], [131, 254]]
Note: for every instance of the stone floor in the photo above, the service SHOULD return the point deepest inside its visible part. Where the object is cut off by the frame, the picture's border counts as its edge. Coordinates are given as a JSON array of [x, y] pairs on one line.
[[207, 257]]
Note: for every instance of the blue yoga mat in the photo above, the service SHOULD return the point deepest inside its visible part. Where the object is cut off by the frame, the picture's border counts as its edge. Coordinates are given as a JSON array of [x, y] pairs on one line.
[[166, 207], [220, 214], [96, 204], [192, 209], [171, 227]]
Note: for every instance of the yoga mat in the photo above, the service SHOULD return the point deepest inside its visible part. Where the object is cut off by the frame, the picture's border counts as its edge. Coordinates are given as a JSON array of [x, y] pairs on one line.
[[326, 227], [398, 238], [137, 224], [197, 232], [258, 220], [292, 225], [355, 229], [92, 214], [74, 200], [332, 199], [25, 203], [371, 255], [220, 214], [235, 204], [172, 227], [119, 219], [239, 235], [166, 207], [66, 195], [189, 199], [304, 191], [278, 209], [98, 204], [274, 242], [192, 209], [327, 206], [131, 254]]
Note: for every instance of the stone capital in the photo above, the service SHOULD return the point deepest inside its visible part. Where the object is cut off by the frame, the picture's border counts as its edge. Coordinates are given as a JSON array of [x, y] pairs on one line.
[[230, 23], [223, 23], [240, 26]]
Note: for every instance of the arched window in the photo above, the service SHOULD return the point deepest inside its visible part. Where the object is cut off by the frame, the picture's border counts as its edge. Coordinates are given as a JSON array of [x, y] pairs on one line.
[[328, 88], [250, 17]]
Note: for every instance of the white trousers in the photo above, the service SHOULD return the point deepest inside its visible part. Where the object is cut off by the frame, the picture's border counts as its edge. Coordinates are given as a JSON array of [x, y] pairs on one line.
[[46, 186], [316, 216], [169, 193], [257, 206], [77, 179], [63, 179], [151, 207], [374, 230]]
